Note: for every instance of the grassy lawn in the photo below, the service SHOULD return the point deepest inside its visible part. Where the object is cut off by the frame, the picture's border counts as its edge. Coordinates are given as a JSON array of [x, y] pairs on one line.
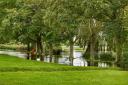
[[15, 71]]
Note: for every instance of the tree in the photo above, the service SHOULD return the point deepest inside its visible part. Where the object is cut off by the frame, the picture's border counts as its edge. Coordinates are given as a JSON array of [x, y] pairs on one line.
[[115, 29], [67, 16]]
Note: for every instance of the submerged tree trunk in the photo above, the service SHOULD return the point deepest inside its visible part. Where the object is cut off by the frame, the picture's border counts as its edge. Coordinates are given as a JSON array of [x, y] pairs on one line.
[[33, 54], [96, 54], [92, 51], [28, 51], [40, 48], [50, 52], [71, 57], [56, 58], [87, 53], [41, 54], [119, 53], [33, 51]]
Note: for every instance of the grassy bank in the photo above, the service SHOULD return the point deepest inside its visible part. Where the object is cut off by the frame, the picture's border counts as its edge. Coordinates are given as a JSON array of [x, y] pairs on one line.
[[15, 71], [12, 63]]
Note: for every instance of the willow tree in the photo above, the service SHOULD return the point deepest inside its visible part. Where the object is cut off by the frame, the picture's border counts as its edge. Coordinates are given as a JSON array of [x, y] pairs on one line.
[[115, 29], [93, 15]]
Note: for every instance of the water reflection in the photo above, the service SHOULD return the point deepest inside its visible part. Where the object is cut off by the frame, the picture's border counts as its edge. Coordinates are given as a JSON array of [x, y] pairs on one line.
[[78, 59], [14, 53], [61, 59]]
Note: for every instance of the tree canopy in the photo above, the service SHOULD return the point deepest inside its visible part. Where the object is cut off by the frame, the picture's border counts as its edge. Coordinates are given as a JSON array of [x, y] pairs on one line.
[[95, 25]]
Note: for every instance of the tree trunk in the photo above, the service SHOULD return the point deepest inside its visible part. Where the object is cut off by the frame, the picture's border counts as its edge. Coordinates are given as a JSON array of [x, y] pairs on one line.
[[51, 52], [92, 41], [92, 50], [87, 53], [96, 50], [28, 51], [42, 54], [33, 51], [71, 52], [56, 59], [40, 48], [33, 54], [119, 56]]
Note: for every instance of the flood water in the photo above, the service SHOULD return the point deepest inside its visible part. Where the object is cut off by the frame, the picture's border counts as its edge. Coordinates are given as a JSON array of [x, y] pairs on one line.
[[63, 59]]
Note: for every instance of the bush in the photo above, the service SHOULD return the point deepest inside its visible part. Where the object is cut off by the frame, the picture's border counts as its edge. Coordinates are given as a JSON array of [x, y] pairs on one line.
[[125, 61], [106, 57]]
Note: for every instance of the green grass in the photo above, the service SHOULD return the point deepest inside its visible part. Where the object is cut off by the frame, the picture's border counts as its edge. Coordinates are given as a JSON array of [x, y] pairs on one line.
[[15, 71], [65, 78], [12, 63]]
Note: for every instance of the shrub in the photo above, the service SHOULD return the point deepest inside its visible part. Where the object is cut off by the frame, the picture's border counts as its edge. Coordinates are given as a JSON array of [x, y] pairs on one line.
[[125, 61], [106, 57]]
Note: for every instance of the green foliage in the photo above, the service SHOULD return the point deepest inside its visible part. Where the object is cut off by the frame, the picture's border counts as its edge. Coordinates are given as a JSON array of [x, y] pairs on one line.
[[106, 57], [56, 22], [125, 61]]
